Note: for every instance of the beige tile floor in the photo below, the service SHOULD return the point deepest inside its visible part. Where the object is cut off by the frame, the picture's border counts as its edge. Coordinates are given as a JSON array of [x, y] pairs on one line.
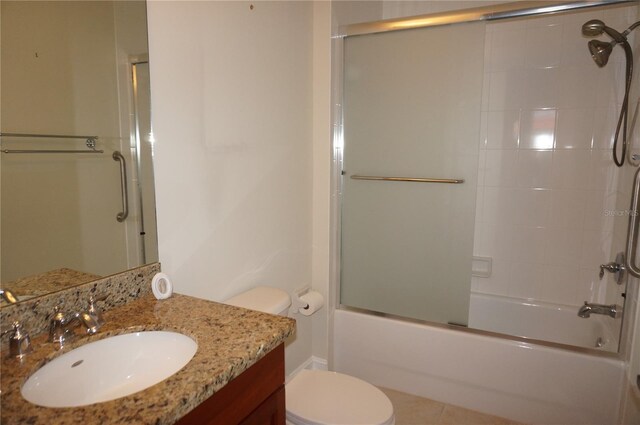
[[413, 410]]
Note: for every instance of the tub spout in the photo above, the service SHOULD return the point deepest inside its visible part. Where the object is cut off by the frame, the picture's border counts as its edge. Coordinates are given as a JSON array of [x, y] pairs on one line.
[[587, 309]]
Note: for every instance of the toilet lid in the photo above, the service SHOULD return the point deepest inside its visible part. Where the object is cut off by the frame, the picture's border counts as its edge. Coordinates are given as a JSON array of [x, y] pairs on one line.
[[317, 397]]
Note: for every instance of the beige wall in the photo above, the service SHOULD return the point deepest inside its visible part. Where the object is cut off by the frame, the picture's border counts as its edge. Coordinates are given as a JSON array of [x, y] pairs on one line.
[[232, 102]]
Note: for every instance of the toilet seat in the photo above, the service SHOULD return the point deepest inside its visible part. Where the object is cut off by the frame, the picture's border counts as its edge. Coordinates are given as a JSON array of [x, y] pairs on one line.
[[317, 397]]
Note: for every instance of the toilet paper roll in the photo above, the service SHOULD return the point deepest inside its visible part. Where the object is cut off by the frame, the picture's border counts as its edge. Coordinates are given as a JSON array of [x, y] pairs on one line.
[[161, 286], [314, 302]]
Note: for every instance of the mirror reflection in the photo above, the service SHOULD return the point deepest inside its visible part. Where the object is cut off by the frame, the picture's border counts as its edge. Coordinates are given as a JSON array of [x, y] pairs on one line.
[[76, 165]]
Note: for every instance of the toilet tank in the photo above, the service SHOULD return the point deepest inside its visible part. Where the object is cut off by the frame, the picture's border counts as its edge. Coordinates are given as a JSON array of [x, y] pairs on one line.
[[264, 299]]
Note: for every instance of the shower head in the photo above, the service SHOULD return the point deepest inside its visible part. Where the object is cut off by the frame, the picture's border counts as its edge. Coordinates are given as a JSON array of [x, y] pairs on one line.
[[595, 27], [600, 51]]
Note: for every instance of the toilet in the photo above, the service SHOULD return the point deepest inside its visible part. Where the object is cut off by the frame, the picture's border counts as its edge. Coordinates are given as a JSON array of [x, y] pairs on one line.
[[315, 397]]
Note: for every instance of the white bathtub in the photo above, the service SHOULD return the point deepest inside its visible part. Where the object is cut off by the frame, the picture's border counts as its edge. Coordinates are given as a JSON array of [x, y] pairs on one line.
[[548, 322], [521, 381]]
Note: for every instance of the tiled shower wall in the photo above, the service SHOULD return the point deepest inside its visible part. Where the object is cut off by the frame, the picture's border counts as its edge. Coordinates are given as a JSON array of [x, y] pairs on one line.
[[547, 186]]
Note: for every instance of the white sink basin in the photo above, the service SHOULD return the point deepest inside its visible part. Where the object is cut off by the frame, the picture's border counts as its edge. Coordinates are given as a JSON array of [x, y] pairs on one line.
[[108, 369]]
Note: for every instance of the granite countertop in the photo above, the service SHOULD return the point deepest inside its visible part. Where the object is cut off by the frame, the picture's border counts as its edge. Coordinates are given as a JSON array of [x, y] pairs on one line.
[[230, 340], [47, 282]]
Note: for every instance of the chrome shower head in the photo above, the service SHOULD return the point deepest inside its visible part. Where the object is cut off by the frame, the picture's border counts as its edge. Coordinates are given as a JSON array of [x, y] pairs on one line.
[[596, 27], [593, 28], [600, 51]]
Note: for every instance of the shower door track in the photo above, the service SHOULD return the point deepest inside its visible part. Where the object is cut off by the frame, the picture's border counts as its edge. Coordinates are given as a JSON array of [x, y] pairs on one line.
[[486, 13]]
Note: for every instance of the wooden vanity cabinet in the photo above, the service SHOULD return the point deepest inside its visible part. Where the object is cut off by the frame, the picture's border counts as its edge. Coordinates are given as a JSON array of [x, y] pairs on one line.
[[256, 397]]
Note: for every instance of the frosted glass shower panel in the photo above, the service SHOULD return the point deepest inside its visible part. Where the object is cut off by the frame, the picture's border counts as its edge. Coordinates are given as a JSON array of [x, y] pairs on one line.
[[411, 109]]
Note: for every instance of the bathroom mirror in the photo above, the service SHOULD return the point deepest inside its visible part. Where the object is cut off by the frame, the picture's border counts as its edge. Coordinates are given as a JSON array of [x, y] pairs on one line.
[[77, 191]]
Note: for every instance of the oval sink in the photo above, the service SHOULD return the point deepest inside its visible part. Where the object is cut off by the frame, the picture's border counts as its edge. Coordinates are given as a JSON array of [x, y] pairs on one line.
[[108, 369]]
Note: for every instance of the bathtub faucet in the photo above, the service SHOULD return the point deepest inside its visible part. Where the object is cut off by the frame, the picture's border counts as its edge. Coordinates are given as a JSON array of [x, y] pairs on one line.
[[587, 309]]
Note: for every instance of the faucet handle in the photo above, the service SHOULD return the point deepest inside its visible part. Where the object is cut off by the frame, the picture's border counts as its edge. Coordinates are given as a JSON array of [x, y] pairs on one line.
[[19, 341], [58, 331], [94, 311]]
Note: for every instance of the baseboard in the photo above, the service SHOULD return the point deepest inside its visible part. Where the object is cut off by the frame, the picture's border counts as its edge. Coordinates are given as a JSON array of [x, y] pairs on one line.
[[312, 363]]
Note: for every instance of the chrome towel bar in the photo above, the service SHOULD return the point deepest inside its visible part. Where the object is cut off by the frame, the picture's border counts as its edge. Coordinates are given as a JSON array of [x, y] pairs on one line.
[[90, 142], [408, 179], [51, 151]]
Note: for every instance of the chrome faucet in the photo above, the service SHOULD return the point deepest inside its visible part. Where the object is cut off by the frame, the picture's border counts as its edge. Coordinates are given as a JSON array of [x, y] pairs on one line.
[[62, 325], [587, 309], [19, 341]]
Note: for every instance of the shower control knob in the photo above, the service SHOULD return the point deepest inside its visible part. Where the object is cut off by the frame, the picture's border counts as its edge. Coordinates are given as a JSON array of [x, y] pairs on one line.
[[616, 267]]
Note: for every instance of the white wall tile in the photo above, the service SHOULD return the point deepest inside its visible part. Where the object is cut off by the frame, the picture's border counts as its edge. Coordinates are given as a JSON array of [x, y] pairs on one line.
[[506, 90], [598, 212], [498, 282], [571, 169], [578, 86], [500, 167], [542, 47], [560, 284], [548, 211], [497, 242], [499, 205], [537, 128], [529, 245], [525, 280], [506, 50], [604, 173], [563, 246], [568, 208], [605, 119], [574, 128], [532, 207], [596, 248], [503, 129], [541, 87], [534, 168], [590, 287]]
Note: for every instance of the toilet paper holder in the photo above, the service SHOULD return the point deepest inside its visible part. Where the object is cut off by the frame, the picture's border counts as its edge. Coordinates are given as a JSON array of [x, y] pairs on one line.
[[298, 303]]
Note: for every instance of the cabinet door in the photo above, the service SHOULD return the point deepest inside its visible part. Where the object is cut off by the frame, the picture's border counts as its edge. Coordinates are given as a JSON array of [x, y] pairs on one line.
[[254, 397], [271, 412]]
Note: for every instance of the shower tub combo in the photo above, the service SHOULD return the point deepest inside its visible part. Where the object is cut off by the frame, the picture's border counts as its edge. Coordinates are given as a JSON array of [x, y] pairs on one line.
[[511, 356]]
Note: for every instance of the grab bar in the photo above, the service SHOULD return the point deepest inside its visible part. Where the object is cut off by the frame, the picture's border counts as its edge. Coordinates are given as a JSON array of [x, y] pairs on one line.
[[121, 216], [408, 179], [632, 236]]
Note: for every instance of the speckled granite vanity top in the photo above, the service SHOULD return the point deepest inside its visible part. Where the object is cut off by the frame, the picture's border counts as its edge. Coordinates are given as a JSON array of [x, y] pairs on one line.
[[47, 282], [230, 340]]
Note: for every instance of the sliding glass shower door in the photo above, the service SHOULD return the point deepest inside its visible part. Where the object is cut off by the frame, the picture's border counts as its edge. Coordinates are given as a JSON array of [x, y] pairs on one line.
[[412, 103]]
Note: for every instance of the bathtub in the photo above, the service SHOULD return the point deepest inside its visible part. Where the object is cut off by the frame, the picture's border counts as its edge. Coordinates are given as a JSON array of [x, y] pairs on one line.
[[518, 380], [544, 321]]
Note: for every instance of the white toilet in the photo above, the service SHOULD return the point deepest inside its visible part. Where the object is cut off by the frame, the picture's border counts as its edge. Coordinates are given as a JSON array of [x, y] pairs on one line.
[[319, 397]]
